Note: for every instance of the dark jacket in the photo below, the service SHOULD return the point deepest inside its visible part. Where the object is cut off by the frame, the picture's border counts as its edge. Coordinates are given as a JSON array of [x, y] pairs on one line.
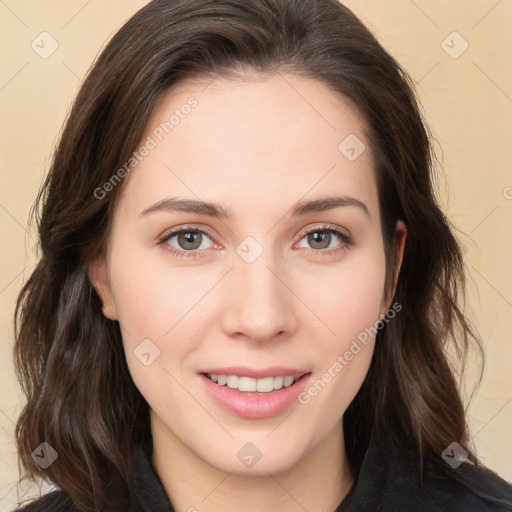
[[389, 481]]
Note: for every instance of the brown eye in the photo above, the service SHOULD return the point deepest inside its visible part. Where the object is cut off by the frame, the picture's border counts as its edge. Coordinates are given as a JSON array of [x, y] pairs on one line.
[[319, 239], [323, 240], [187, 240]]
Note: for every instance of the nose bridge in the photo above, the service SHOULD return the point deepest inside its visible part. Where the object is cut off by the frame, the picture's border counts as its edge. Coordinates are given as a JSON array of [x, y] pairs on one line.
[[260, 305]]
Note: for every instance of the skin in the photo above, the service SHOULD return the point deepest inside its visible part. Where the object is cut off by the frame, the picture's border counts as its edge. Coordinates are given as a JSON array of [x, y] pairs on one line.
[[256, 146]]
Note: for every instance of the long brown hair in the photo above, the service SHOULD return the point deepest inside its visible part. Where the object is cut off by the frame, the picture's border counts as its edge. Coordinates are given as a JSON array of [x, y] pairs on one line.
[[70, 360]]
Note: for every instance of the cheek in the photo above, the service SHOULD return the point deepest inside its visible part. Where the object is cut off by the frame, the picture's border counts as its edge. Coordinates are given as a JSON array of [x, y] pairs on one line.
[[349, 304], [348, 300], [162, 313], [152, 299], [152, 310]]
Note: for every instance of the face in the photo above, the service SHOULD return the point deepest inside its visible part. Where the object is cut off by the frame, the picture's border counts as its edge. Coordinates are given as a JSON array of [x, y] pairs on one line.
[[270, 283]]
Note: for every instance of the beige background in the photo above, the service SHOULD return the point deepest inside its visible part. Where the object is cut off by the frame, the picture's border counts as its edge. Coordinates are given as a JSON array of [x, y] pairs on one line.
[[467, 100]]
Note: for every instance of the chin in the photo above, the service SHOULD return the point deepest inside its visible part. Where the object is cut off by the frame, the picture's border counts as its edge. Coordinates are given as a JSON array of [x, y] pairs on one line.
[[273, 463]]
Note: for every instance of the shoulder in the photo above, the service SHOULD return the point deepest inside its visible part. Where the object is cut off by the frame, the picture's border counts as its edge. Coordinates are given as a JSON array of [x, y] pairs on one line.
[[466, 489], [55, 501], [393, 478]]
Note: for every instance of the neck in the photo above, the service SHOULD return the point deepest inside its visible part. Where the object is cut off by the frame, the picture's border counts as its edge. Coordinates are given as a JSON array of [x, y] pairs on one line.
[[317, 483]]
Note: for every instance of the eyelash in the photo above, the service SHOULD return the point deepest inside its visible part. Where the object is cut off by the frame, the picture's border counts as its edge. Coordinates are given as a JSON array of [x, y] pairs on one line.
[[345, 239]]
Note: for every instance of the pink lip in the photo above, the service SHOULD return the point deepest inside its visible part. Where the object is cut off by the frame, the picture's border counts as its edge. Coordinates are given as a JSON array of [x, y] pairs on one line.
[[252, 405], [272, 371]]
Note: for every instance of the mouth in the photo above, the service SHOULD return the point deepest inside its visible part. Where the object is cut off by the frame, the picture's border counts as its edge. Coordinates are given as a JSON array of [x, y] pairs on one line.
[[253, 386], [254, 394]]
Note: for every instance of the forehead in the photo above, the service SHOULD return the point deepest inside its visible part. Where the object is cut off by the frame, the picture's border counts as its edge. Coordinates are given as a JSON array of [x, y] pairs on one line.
[[254, 140]]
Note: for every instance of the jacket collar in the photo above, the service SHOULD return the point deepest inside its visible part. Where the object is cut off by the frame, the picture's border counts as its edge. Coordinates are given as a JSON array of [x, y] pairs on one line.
[[387, 478], [390, 480]]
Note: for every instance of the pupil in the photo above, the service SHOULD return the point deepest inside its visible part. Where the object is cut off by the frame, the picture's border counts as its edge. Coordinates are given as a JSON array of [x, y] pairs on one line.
[[189, 240], [320, 238]]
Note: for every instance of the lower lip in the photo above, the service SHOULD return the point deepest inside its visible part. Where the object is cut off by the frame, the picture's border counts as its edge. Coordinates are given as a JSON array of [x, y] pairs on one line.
[[252, 405]]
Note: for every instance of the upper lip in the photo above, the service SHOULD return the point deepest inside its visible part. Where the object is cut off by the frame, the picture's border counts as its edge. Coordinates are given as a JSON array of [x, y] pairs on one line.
[[256, 373]]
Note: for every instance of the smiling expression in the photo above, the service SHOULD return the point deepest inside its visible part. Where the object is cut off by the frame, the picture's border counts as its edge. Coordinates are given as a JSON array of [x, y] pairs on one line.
[[247, 243]]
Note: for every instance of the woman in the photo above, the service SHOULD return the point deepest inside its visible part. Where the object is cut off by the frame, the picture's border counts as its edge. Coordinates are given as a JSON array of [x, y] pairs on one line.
[[246, 283]]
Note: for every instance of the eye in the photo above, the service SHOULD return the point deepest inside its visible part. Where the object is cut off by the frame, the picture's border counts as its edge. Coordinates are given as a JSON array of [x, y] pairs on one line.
[[323, 240], [187, 242], [190, 242]]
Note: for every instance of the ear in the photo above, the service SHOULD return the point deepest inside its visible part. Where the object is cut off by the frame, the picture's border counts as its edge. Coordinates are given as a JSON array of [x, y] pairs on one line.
[[399, 246], [98, 275]]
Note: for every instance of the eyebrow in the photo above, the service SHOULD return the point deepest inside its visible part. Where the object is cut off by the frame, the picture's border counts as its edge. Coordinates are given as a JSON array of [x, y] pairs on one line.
[[173, 204]]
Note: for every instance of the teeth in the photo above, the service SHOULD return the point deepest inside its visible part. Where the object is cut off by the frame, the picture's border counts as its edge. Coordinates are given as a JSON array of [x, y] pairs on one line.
[[288, 381], [233, 381], [278, 382], [248, 384]]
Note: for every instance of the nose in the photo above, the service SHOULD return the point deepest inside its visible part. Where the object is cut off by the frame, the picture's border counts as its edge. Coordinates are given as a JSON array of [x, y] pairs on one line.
[[260, 304]]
